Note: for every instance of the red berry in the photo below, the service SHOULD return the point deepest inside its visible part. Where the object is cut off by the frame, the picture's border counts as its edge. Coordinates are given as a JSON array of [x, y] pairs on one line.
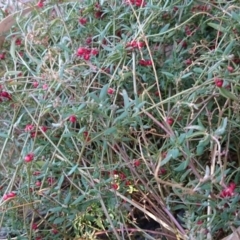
[[122, 176], [170, 121], [162, 171], [98, 14], [81, 51], [44, 128], [29, 157], [89, 40], [94, 51], [54, 231], [5, 197], [38, 183], [137, 163], [110, 91], [188, 61], [40, 4], [218, 82], [29, 128], [36, 173], [128, 183], [2, 56], [72, 119], [51, 181], [11, 195], [34, 226], [115, 186], [18, 42], [230, 69], [35, 84], [6, 95], [86, 57], [83, 21]]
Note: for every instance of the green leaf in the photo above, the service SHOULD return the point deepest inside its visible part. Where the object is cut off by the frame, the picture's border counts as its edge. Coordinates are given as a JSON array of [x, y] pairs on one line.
[[168, 74], [182, 166], [73, 169], [56, 209], [173, 153], [196, 134], [221, 129], [125, 99], [78, 200], [165, 28], [186, 75], [67, 198], [122, 116], [58, 220], [218, 27], [198, 70], [110, 130], [202, 144], [195, 127], [229, 47], [225, 93], [103, 92]]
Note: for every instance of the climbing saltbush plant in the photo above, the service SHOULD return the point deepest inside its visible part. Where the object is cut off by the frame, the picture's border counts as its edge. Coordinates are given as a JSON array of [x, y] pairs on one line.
[[120, 120]]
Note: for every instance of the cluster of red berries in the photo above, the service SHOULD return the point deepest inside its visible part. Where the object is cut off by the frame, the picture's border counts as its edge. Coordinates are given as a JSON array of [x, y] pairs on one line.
[[145, 63], [33, 132], [86, 52], [135, 44], [9, 195], [203, 8], [137, 3], [5, 96], [119, 176], [228, 191]]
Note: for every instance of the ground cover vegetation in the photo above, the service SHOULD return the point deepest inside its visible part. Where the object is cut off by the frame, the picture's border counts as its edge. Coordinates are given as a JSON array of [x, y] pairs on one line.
[[120, 120]]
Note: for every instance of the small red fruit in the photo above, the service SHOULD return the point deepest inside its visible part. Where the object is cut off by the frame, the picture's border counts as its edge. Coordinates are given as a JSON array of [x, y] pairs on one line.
[[54, 231], [2, 56], [29, 157], [40, 4], [230, 69], [51, 181], [38, 183], [6, 95], [170, 121], [137, 163], [34, 226], [94, 52], [9, 195], [83, 21], [218, 82], [81, 51], [29, 128], [115, 186], [110, 91], [18, 42], [44, 128], [188, 61], [86, 57], [72, 119], [35, 84]]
